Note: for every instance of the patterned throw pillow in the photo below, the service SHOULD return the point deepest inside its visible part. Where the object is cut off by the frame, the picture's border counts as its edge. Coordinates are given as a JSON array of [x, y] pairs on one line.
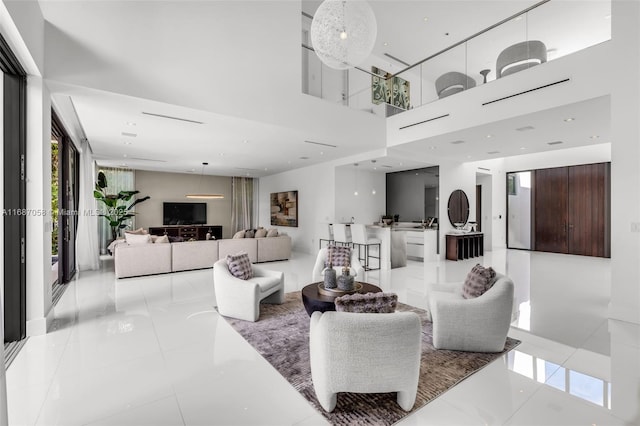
[[339, 256], [250, 233], [240, 265], [479, 280], [239, 234], [379, 303]]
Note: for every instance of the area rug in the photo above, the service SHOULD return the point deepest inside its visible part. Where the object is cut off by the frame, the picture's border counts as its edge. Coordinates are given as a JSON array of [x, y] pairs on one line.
[[281, 336]]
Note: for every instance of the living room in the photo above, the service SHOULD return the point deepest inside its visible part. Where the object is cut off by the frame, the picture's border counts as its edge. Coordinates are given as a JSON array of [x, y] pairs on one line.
[[323, 181]]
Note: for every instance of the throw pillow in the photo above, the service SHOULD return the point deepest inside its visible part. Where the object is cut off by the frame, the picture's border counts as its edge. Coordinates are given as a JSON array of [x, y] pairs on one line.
[[380, 303], [339, 256], [239, 234], [175, 239], [162, 240], [134, 239], [273, 232], [240, 265], [250, 233], [139, 231], [261, 233], [479, 280]]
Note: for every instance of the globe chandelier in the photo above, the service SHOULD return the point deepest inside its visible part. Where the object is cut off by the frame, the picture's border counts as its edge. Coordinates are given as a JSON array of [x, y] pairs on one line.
[[343, 32]]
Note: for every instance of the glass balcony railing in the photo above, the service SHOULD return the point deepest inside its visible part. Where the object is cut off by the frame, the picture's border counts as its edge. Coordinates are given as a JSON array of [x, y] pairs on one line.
[[544, 32]]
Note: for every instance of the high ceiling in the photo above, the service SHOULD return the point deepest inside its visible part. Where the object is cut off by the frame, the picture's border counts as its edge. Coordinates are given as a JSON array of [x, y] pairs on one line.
[[166, 85]]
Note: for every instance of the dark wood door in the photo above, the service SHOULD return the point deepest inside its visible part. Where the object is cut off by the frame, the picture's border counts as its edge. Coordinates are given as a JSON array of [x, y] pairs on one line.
[[587, 210], [551, 198]]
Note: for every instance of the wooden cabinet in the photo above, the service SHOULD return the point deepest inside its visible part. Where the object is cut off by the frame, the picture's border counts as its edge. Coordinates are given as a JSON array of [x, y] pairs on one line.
[[464, 246], [188, 232], [571, 210]]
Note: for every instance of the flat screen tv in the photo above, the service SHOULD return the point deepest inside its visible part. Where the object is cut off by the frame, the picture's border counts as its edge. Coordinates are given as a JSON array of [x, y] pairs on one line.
[[184, 213]]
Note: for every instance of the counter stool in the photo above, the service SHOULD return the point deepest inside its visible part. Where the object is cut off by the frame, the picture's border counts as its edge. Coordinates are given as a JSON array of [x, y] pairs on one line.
[[340, 235], [360, 239], [329, 240]]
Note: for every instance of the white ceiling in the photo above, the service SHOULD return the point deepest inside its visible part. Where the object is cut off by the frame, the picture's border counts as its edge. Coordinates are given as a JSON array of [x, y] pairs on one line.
[[234, 66]]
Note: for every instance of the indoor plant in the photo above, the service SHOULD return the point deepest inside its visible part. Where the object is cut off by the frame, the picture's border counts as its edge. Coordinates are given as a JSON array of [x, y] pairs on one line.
[[117, 210]]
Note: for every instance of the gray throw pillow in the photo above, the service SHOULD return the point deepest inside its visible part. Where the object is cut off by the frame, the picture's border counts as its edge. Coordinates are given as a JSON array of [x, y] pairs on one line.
[[479, 280], [338, 256], [379, 303], [240, 265]]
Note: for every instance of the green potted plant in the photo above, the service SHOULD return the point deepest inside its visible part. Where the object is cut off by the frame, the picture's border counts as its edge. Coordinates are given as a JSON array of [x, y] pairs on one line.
[[117, 210]]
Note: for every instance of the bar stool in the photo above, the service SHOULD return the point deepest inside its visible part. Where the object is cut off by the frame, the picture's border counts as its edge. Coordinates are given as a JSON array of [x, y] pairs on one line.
[[329, 240], [360, 238], [340, 235]]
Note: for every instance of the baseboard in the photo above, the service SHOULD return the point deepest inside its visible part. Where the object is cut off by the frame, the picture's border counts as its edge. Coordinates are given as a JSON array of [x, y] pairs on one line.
[[39, 326]]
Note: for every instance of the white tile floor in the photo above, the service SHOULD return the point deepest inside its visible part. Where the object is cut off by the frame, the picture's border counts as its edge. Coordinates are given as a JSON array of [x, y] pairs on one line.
[[153, 351]]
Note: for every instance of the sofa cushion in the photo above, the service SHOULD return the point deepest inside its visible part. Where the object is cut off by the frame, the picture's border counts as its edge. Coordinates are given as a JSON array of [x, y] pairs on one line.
[[240, 265], [249, 233], [338, 256], [479, 280], [239, 234], [175, 239], [384, 303], [133, 239], [261, 233], [273, 232]]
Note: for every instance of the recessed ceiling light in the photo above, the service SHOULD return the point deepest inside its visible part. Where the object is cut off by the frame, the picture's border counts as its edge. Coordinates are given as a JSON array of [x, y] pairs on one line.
[[425, 19], [321, 152], [222, 154], [493, 152], [432, 147], [401, 164], [468, 156], [525, 128], [245, 141], [265, 169], [554, 143], [304, 158], [131, 135], [570, 119], [127, 142], [594, 136], [130, 123], [489, 136], [385, 44], [373, 192], [124, 155], [522, 148], [416, 174], [607, 16], [457, 142]]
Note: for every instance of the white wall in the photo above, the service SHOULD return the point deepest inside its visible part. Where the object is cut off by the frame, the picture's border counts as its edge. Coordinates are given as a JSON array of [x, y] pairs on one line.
[[625, 163], [455, 176], [316, 201], [173, 187], [486, 183], [366, 207]]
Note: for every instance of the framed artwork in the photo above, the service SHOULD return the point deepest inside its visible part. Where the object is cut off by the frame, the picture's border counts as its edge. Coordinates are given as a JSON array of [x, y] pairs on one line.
[[284, 208], [394, 91]]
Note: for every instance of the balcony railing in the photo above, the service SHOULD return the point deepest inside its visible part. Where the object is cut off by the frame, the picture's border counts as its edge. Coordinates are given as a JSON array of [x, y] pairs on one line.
[[543, 32]]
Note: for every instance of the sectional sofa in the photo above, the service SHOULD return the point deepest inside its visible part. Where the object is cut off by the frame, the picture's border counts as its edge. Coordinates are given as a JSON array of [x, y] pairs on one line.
[[147, 259]]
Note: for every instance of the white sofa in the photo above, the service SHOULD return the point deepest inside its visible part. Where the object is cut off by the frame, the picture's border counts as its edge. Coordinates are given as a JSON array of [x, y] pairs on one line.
[[365, 353], [147, 259], [241, 299]]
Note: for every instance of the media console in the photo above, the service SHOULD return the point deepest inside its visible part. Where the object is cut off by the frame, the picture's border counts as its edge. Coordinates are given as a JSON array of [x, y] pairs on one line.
[[196, 232]]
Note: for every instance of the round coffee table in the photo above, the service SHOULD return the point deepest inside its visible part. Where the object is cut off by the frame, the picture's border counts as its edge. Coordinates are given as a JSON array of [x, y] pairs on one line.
[[314, 301]]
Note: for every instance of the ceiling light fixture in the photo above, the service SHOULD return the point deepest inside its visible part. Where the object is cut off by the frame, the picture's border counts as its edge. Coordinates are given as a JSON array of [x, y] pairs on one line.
[[203, 195], [570, 119], [343, 33]]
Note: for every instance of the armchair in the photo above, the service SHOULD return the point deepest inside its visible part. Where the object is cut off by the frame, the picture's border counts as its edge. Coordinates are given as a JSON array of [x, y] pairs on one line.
[[476, 325], [356, 268], [365, 353], [241, 299]]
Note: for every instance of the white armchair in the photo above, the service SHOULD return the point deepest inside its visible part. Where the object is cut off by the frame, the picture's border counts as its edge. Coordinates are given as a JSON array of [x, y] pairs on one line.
[[365, 353], [356, 268], [241, 298], [476, 325]]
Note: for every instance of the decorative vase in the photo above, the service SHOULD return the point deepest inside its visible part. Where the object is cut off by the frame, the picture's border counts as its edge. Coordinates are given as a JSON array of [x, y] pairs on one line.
[[346, 281], [329, 277]]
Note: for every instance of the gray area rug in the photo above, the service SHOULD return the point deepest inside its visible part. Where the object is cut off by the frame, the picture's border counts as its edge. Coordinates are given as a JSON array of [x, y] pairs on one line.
[[281, 336]]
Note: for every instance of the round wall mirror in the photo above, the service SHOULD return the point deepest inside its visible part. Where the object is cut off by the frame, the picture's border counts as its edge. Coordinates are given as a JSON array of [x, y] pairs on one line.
[[458, 208]]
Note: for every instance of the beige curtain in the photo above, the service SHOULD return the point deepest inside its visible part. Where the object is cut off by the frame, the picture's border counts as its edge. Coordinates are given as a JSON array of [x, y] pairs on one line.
[[243, 210]]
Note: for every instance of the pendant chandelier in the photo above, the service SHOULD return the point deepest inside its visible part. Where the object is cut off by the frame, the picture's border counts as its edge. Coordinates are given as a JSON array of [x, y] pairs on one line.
[[201, 195], [343, 32]]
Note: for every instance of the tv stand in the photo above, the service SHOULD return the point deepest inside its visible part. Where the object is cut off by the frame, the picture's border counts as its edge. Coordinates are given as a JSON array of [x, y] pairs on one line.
[[188, 232]]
